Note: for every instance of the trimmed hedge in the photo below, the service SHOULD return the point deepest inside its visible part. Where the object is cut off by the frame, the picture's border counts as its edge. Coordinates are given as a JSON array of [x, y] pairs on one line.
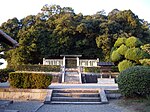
[[4, 74], [91, 69], [135, 81], [40, 68], [29, 80]]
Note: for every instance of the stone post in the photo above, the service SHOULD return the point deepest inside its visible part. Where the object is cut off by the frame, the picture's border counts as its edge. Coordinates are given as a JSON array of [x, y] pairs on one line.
[[78, 62]]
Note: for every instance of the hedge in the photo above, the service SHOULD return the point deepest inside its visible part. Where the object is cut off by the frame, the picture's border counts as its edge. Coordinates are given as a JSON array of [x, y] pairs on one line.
[[91, 69], [29, 80], [4, 74], [135, 81], [39, 68]]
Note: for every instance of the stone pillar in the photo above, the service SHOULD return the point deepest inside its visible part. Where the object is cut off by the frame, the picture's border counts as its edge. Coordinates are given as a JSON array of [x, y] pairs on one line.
[[43, 61], [78, 62], [64, 61]]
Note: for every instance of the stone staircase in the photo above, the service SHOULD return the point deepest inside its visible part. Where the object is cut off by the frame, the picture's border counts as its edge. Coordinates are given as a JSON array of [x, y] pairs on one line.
[[72, 77], [75, 96]]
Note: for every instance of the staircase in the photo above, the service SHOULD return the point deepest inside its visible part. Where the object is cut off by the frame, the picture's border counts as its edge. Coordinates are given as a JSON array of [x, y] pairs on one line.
[[75, 96], [72, 76]]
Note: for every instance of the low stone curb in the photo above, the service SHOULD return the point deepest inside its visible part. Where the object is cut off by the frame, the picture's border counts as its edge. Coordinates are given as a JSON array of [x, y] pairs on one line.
[[103, 97], [48, 97]]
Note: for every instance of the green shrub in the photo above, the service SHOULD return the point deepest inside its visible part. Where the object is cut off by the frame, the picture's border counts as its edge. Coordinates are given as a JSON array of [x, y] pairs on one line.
[[29, 80], [115, 56], [135, 81], [40, 68], [120, 41], [4, 74], [145, 62], [135, 54], [133, 42], [91, 69], [122, 49], [125, 64]]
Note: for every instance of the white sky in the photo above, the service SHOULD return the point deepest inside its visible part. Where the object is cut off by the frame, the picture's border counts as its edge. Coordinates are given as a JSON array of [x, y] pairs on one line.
[[23, 8]]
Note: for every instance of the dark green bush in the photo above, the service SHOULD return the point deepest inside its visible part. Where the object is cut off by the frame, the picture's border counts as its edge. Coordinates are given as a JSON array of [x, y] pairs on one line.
[[29, 80], [91, 69], [125, 64], [4, 74], [114, 69], [39, 68], [135, 81]]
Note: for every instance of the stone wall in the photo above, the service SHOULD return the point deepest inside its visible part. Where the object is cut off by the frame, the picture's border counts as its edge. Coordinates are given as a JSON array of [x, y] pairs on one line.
[[23, 94]]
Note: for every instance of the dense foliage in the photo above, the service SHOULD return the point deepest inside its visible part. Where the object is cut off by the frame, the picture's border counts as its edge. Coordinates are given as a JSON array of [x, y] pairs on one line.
[[56, 30], [134, 81], [125, 64], [29, 80], [38, 68], [127, 52], [4, 74], [91, 69]]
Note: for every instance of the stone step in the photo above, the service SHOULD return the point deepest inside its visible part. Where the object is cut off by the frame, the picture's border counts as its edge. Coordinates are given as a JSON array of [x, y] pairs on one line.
[[75, 75], [75, 91], [75, 94], [77, 103], [76, 99]]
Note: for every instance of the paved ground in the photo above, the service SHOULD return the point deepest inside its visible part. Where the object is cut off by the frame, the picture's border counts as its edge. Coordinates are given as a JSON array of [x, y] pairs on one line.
[[24, 106], [81, 108], [34, 106]]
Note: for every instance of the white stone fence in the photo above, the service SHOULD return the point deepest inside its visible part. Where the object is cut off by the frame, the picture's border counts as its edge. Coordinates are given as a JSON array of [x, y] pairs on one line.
[[80, 62]]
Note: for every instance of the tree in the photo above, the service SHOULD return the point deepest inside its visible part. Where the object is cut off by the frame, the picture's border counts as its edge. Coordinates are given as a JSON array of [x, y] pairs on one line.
[[128, 53], [58, 30]]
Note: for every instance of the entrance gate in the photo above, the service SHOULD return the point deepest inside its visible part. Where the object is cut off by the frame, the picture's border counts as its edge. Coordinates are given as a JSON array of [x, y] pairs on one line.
[[70, 62]]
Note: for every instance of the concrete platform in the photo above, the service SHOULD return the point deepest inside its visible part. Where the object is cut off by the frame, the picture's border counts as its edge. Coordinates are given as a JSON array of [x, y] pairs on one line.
[[86, 86]]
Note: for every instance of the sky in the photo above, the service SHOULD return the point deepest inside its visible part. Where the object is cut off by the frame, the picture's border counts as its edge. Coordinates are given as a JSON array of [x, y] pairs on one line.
[[22, 8]]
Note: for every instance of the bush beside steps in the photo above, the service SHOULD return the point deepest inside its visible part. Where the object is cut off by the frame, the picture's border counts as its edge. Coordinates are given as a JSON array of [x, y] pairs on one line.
[[135, 81], [29, 80]]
